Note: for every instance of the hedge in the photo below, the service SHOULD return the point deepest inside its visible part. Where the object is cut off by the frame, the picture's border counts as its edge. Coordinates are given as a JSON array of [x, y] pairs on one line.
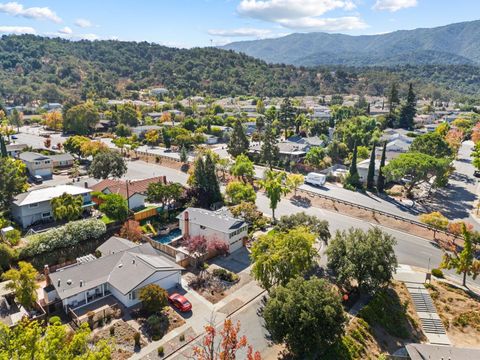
[[65, 236]]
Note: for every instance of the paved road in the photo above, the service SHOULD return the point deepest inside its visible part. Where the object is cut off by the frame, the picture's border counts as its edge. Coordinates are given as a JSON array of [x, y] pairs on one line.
[[30, 136]]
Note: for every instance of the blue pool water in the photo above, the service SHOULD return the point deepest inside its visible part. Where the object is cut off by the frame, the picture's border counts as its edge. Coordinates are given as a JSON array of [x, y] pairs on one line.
[[165, 239]]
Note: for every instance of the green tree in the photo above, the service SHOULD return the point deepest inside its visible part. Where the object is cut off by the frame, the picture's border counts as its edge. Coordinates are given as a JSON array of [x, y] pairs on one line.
[[381, 176], [316, 157], [337, 150], [183, 154], [16, 119], [393, 98], [107, 164], [294, 181], [13, 180], [127, 115], [305, 315], [167, 140], [352, 178], [152, 137], [409, 109], [7, 255], [238, 143], [274, 185], [67, 207], [436, 220], [432, 144], [371, 170], [286, 115], [260, 106], [464, 261], [114, 206], [318, 227], [269, 152], [3, 147], [348, 253], [238, 191], [164, 193], [279, 257], [243, 168], [154, 298], [123, 130], [74, 144], [23, 283], [204, 181], [81, 119]]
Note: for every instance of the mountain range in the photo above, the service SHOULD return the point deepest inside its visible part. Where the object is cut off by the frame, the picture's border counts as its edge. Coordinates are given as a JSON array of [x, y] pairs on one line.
[[445, 45]]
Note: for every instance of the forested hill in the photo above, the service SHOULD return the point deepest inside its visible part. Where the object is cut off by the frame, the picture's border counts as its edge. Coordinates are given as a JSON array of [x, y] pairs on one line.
[[33, 67], [451, 44]]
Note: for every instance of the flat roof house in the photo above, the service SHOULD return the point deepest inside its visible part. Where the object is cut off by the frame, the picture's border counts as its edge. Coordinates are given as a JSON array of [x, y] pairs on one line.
[[37, 164], [213, 224], [34, 206], [121, 274]]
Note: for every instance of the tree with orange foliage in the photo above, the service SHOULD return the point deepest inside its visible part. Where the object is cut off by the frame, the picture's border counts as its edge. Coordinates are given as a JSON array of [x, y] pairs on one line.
[[131, 230], [53, 120], [457, 226], [476, 133], [47, 143], [223, 344], [166, 116], [454, 139]]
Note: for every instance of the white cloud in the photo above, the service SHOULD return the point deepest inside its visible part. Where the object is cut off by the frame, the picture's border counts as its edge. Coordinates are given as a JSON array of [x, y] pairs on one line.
[[241, 32], [83, 23], [273, 10], [65, 30], [325, 24], [394, 5], [38, 13], [90, 37], [17, 30]]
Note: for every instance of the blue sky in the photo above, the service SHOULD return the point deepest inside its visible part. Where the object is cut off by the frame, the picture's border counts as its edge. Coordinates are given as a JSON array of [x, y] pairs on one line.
[[187, 23]]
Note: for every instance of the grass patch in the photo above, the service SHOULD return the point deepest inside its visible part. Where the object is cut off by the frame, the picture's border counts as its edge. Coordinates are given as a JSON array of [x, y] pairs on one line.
[[106, 220]]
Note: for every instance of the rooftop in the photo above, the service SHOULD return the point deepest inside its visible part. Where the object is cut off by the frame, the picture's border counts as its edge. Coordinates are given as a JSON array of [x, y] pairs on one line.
[[217, 220], [32, 156], [134, 186], [47, 194]]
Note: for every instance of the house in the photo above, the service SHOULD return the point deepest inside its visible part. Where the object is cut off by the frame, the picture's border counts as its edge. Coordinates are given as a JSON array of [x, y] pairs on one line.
[[362, 168], [141, 130], [59, 161], [37, 164], [213, 224], [121, 274], [425, 119], [35, 206], [158, 91], [321, 112], [311, 141], [433, 351], [250, 127], [395, 148], [135, 191], [11, 312], [210, 139], [52, 106], [14, 150]]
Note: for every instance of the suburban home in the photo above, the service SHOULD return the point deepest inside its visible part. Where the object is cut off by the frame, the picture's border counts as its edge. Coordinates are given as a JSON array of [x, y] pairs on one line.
[[394, 148], [321, 112], [11, 312], [425, 119], [210, 139], [141, 130], [14, 150], [37, 164], [135, 191], [362, 168], [52, 106], [433, 351], [213, 224], [250, 127], [35, 206], [59, 161], [158, 91], [122, 271], [311, 141]]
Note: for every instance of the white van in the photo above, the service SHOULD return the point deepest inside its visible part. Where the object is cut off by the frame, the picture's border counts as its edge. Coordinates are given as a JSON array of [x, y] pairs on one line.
[[315, 179]]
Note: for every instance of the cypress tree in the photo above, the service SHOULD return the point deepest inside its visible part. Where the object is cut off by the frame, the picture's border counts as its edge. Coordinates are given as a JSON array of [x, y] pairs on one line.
[[214, 194], [371, 170], [381, 177], [353, 166], [238, 143], [408, 110], [3, 147], [269, 151]]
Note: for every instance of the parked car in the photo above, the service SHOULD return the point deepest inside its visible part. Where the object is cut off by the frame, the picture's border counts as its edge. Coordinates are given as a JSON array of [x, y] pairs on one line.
[[37, 179], [476, 173], [14, 137], [180, 302], [315, 179]]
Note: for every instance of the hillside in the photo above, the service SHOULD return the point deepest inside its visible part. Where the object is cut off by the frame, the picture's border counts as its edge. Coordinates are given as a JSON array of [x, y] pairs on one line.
[[54, 70], [446, 45]]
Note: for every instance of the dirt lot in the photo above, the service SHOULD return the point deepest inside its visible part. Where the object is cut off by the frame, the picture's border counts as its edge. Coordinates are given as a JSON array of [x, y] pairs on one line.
[[460, 313], [123, 337]]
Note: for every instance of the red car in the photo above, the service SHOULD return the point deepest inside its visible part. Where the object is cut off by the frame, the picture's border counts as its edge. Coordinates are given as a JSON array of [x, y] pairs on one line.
[[180, 302]]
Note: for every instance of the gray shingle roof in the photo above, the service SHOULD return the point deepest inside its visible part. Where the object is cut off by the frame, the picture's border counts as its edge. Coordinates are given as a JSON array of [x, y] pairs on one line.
[[114, 245], [216, 220], [124, 271], [32, 156], [62, 157]]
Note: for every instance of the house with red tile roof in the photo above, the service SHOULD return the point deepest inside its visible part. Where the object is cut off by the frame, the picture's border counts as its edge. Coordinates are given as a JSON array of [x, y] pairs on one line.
[[135, 191]]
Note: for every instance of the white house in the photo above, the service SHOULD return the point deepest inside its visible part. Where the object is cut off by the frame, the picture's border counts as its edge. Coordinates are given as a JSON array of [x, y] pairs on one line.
[[213, 224], [120, 273], [37, 164], [362, 168], [33, 206]]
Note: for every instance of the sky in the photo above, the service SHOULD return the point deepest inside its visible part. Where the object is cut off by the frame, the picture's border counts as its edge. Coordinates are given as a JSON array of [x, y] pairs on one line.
[[190, 23]]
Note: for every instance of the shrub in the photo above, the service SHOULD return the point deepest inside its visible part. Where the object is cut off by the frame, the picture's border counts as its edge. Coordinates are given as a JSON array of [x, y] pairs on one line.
[[65, 236], [54, 320], [157, 325], [112, 330], [13, 237], [136, 338], [160, 351], [182, 337], [437, 273], [225, 275]]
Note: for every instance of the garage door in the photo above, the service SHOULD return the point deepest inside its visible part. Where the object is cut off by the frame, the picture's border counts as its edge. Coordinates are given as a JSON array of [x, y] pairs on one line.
[[170, 281], [43, 172]]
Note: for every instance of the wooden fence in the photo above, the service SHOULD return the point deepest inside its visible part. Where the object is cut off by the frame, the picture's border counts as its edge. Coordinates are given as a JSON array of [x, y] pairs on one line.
[[145, 214]]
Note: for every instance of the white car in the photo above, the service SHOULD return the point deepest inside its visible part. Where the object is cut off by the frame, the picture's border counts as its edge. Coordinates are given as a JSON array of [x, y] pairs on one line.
[[315, 179]]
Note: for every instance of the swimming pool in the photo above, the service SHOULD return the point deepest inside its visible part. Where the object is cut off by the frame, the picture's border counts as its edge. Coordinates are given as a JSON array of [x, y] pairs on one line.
[[165, 239]]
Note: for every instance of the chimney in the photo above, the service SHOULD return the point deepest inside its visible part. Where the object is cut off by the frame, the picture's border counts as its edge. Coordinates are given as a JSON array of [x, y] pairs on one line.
[[85, 184], [58, 283], [186, 225], [46, 272]]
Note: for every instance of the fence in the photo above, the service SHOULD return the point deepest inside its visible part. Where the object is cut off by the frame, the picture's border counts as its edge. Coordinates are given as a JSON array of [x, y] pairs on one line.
[[145, 214]]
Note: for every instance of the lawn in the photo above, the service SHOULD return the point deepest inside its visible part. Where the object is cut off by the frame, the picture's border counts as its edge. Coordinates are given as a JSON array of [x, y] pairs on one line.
[[106, 220]]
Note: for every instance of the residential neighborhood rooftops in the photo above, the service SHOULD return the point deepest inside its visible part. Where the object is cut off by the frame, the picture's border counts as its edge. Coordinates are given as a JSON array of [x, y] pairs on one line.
[[217, 220], [32, 156], [123, 270], [47, 194], [431, 351], [114, 245], [120, 186], [61, 157]]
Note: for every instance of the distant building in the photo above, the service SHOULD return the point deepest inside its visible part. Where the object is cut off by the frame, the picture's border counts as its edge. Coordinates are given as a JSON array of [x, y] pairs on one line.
[[158, 91], [14, 150], [363, 166], [37, 164], [60, 161]]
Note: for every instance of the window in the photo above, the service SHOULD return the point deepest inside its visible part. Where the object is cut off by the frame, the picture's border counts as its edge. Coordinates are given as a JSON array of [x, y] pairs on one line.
[[33, 205], [37, 162], [202, 227], [47, 161], [46, 214], [132, 295]]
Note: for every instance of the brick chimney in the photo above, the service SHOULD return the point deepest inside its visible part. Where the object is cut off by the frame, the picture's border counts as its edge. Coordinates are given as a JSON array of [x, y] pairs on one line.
[[186, 225], [46, 272]]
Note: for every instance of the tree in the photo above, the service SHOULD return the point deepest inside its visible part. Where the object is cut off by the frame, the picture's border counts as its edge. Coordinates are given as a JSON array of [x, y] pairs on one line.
[[436, 220], [306, 315], [122, 130], [381, 176], [269, 151], [337, 150], [431, 144], [317, 157], [152, 137], [92, 148], [13, 180], [53, 120], [164, 193], [454, 139], [250, 214], [67, 207], [314, 224], [204, 181], [393, 99], [74, 144], [226, 347], [16, 119], [260, 106], [131, 230], [107, 164], [198, 246], [408, 111], [238, 143], [154, 298], [23, 283], [127, 115], [417, 168], [3, 147], [294, 181], [114, 206], [353, 179], [238, 191], [464, 261], [371, 170], [274, 185], [183, 154], [243, 168], [81, 119], [7, 255], [167, 140], [279, 257], [348, 253], [286, 116]]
